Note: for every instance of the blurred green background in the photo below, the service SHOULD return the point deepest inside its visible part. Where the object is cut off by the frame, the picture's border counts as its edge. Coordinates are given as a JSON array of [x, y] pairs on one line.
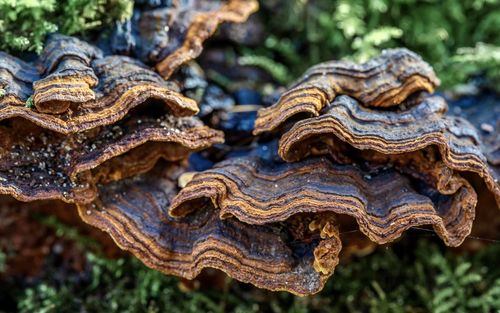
[[458, 38]]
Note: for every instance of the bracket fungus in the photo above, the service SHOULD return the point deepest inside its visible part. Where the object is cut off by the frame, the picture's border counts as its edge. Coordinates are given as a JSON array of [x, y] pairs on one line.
[[379, 112], [383, 202], [287, 255], [362, 146], [421, 141], [41, 164], [173, 34], [260, 192], [91, 118], [77, 90], [383, 82], [389, 169]]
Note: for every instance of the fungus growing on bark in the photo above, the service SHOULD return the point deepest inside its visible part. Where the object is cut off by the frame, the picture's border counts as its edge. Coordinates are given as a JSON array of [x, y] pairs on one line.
[[170, 35], [362, 144], [389, 168], [341, 116], [94, 119], [383, 82]]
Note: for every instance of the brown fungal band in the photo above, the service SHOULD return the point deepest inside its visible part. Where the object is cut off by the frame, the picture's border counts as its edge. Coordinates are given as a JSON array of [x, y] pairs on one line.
[[174, 35], [385, 81], [297, 255], [391, 137], [77, 89], [40, 164], [383, 202]]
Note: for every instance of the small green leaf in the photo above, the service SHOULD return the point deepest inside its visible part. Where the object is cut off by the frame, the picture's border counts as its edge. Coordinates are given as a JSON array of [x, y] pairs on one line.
[[29, 102]]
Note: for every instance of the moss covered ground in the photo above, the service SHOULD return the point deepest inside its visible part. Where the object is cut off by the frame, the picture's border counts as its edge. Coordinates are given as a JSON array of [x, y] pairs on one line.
[[415, 274]]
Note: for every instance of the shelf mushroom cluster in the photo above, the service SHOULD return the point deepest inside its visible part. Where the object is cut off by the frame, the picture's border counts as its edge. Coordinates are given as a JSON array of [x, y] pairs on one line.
[[78, 118], [369, 142], [365, 145], [82, 117]]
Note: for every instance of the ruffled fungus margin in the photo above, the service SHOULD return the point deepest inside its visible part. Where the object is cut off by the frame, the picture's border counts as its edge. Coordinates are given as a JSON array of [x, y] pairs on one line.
[[276, 256], [384, 81], [384, 203], [74, 92]]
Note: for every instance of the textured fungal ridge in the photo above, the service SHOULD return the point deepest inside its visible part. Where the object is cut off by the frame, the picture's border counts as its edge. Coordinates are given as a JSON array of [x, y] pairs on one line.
[[385, 81], [296, 255], [362, 146], [299, 203], [418, 140], [36, 163], [72, 87], [174, 34], [75, 118], [383, 202]]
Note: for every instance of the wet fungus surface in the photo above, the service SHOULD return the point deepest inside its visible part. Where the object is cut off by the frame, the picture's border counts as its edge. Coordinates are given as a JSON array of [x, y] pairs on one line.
[[41, 164]]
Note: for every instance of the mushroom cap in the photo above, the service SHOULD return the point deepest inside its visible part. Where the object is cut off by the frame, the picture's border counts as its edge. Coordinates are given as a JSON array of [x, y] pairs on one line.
[[384, 202], [374, 134], [37, 163]]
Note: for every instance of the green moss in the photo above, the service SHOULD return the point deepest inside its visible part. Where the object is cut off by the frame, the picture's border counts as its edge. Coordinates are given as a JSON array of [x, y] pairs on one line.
[[81, 15], [29, 102], [278, 71], [482, 58], [25, 23]]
